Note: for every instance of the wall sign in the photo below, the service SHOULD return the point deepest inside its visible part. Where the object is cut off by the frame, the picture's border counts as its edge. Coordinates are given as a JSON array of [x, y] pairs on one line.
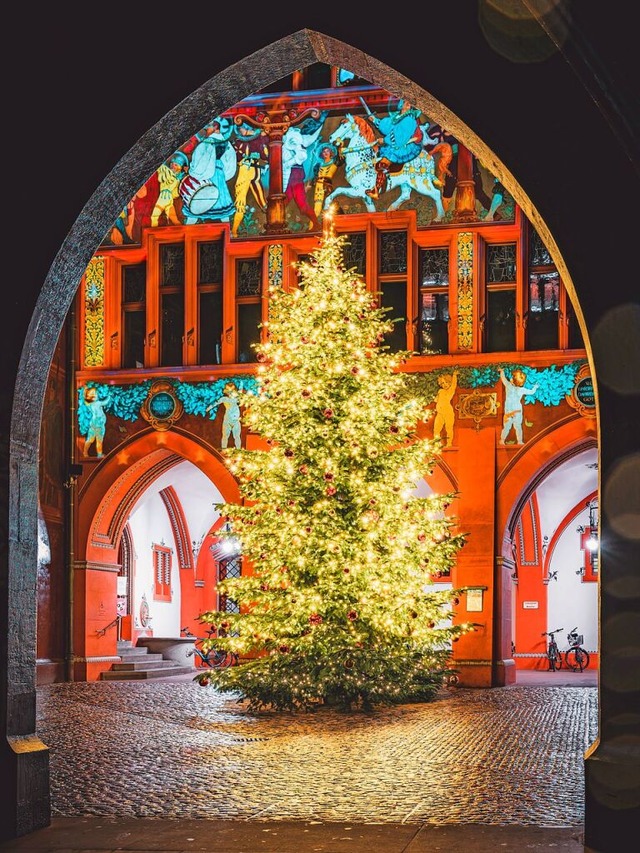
[[530, 605], [162, 408], [474, 600], [582, 396]]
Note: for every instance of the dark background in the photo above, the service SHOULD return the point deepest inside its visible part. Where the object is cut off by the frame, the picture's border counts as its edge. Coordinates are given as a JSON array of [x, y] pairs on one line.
[[84, 83]]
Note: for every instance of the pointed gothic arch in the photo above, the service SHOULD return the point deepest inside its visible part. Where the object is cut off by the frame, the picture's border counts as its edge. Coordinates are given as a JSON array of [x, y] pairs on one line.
[[59, 287]]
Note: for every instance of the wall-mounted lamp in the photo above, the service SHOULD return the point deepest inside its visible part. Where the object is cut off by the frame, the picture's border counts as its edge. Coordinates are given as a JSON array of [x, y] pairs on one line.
[[589, 541], [73, 473]]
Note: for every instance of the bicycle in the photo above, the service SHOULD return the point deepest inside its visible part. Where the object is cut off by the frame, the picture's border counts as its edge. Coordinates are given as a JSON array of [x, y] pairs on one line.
[[212, 658], [576, 657], [553, 652]]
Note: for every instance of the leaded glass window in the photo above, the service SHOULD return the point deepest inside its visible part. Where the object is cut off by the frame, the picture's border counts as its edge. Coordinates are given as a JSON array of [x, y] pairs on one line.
[[172, 265], [355, 253], [134, 283], [210, 262], [227, 569], [538, 253], [501, 263], [393, 252], [248, 276], [434, 268]]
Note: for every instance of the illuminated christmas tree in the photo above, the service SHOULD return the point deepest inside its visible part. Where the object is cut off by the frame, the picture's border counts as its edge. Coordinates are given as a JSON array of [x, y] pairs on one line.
[[338, 606]]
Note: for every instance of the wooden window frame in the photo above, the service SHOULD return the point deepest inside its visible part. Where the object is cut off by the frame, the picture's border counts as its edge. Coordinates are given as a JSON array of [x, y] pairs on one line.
[[162, 568]]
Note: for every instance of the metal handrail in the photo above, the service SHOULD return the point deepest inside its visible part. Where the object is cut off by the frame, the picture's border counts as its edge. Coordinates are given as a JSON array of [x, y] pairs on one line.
[[102, 631]]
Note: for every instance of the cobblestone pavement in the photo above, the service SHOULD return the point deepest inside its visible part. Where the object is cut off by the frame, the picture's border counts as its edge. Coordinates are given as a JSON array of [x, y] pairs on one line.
[[508, 756]]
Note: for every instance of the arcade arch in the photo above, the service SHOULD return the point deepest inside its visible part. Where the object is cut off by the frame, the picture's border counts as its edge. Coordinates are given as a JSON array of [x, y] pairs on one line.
[[103, 209]]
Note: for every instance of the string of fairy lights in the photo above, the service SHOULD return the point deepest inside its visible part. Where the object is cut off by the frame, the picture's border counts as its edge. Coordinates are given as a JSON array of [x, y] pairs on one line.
[[337, 603]]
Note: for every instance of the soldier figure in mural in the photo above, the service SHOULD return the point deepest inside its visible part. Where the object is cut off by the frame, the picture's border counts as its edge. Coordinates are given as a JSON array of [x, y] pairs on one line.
[[326, 165], [252, 150], [515, 391], [400, 141], [169, 176], [296, 167]]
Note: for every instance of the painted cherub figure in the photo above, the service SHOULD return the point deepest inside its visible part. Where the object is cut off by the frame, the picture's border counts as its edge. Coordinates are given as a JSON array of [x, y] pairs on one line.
[[231, 421], [515, 391], [444, 410], [97, 420]]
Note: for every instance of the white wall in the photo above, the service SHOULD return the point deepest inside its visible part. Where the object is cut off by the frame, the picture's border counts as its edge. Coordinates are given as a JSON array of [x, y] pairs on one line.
[[150, 525], [572, 602]]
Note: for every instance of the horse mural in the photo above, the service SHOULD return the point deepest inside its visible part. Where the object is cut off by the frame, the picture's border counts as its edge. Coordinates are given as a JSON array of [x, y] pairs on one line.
[[359, 166]]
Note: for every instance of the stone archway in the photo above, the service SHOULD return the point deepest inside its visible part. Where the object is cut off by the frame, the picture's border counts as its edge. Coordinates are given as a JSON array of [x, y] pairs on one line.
[[620, 459]]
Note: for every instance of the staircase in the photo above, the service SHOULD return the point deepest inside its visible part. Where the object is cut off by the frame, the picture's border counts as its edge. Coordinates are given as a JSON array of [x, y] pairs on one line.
[[137, 663]]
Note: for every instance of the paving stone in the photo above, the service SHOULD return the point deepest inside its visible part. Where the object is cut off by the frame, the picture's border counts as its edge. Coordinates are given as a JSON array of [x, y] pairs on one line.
[[508, 756]]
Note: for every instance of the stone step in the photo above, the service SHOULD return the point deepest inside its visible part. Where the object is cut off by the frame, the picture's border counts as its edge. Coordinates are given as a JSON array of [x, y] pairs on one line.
[[144, 674], [134, 657], [127, 666]]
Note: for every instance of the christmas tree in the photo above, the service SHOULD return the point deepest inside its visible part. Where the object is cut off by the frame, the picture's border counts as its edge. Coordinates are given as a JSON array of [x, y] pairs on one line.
[[336, 601]]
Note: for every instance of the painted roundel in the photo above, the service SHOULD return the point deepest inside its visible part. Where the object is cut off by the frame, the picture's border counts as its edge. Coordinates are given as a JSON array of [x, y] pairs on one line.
[[161, 408]]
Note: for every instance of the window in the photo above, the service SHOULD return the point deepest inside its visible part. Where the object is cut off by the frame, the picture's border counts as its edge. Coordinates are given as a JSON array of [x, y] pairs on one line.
[[210, 302], [161, 573], [393, 285], [171, 303], [230, 567], [248, 292], [355, 253], [433, 306], [543, 297], [500, 310], [134, 284]]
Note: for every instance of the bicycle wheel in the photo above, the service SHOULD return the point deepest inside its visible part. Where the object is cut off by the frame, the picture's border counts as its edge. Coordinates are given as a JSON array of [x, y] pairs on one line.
[[577, 659], [555, 659], [219, 659]]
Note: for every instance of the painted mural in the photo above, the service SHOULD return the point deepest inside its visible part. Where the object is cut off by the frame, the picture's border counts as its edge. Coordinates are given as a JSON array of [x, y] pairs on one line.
[[213, 411], [274, 164]]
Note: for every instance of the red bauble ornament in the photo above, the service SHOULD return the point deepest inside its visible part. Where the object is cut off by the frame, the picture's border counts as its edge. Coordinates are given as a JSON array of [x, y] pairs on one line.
[[328, 413], [305, 392], [393, 428], [315, 619], [330, 490], [328, 475], [288, 453], [283, 649], [348, 664], [303, 469], [203, 682], [352, 615]]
